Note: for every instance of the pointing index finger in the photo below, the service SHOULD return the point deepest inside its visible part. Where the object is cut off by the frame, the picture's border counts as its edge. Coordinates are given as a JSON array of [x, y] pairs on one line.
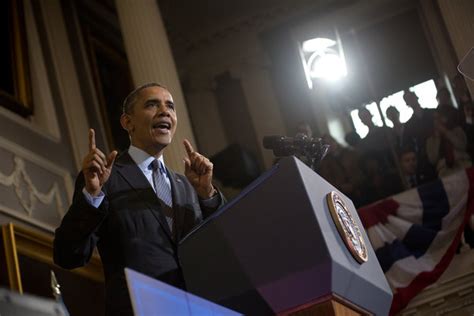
[[91, 139], [189, 148]]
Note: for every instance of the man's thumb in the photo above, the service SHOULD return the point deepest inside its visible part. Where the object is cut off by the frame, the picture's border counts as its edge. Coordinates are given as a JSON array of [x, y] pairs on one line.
[[111, 158]]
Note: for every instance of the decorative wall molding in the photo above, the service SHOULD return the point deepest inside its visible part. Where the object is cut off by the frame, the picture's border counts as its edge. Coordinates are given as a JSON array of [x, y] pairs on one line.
[[19, 179], [26, 191]]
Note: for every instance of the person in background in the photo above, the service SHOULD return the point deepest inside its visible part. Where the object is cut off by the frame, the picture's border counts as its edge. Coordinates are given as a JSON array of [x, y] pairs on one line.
[[465, 110], [394, 116], [304, 128], [379, 182], [461, 91], [353, 139], [378, 143], [412, 173], [468, 127], [447, 146], [443, 96], [419, 127], [445, 102], [341, 168]]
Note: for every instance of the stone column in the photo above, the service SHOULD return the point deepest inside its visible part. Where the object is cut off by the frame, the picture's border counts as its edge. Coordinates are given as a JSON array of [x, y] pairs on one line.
[[67, 79], [443, 53], [205, 117], [151, 60], [262, 105]]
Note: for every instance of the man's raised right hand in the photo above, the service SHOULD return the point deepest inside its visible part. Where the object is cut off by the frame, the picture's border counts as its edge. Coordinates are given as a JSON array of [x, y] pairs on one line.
[[96, 167]]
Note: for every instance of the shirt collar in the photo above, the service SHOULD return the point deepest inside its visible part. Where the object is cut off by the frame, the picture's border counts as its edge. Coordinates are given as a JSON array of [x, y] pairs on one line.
[[143, 159]]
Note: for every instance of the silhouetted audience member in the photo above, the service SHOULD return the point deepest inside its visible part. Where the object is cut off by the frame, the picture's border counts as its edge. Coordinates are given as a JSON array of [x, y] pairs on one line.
[[419, 127], [380, 183], [468, 127], [445, 104], [378, 143], [443, 96], [353, 139], [341, 168], [398, 128], [411, 171], [465, 110], [304, 128], [447, 146], [462, 95]]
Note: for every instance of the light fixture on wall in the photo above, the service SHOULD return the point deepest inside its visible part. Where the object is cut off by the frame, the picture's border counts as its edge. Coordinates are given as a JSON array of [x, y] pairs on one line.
[[323, 58]]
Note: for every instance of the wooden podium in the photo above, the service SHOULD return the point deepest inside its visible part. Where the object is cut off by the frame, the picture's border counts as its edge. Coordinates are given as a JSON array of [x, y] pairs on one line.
[[289, 244]]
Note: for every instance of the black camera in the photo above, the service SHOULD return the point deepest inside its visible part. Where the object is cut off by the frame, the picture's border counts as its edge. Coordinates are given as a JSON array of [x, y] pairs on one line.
[[309, 150]]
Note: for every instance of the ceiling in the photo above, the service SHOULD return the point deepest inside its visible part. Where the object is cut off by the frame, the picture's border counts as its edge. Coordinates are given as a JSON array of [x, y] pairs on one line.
[[190, 21]]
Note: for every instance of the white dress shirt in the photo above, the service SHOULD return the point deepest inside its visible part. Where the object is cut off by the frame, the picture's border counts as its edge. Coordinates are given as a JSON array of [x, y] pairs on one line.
[[143, 161]]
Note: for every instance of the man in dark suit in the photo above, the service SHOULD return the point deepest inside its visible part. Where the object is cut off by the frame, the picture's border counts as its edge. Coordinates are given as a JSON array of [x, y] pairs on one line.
[[413, 174], [419, 127], [131, 206]]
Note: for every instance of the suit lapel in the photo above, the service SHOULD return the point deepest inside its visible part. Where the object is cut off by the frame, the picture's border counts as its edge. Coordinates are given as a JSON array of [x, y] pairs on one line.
[[128, 169], [177, 189]]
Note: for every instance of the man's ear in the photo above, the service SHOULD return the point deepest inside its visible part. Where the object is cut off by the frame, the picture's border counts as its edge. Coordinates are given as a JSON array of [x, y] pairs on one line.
[[126, 122]]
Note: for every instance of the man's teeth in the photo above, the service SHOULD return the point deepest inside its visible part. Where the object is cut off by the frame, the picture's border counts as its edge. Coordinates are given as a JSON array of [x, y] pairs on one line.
[[163, 125]]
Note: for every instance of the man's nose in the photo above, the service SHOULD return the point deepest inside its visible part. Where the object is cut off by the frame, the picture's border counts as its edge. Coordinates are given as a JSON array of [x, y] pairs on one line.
[[163, 110]]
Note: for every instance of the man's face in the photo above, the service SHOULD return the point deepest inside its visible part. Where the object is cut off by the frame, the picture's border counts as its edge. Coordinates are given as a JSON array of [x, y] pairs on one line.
[[408, 162], [305, 129], [152, 121]]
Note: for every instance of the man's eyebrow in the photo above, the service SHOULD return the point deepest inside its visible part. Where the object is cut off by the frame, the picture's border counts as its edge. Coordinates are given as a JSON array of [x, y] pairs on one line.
[[152, 100], [158, 100]]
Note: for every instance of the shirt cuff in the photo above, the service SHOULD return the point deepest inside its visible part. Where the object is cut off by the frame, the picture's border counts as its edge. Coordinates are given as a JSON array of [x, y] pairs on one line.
[[212, 202], [95, 201]]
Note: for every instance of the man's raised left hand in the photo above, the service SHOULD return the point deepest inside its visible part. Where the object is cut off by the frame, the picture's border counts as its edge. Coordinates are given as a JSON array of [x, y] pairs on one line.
[[198, 170]]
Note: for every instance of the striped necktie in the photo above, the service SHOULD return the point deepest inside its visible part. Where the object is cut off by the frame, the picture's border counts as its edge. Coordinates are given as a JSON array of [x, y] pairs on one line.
[[163, 190]]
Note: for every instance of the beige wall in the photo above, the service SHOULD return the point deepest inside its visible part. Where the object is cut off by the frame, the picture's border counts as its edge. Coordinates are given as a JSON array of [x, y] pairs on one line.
[[458, 16]]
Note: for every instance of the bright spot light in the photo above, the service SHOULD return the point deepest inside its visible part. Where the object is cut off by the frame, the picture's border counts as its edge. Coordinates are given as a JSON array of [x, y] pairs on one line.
[[328, 66], [317, 44]]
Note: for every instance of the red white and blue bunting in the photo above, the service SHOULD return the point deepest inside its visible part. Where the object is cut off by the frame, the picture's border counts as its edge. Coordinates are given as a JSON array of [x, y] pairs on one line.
[[416, 233]]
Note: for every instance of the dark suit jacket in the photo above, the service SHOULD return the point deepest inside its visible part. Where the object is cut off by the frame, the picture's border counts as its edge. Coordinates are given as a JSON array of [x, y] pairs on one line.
[[129, 230]]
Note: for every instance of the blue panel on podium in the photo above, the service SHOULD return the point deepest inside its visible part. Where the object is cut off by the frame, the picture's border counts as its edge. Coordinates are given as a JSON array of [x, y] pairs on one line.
[[152, 297]]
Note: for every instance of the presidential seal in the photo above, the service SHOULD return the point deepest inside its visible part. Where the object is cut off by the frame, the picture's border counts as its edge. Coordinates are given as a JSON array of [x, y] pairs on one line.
[[347, 227]]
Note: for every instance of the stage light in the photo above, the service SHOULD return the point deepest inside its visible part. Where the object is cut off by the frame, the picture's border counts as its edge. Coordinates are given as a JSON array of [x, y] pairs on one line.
[[323, 58], [317, 44], [328, 66]]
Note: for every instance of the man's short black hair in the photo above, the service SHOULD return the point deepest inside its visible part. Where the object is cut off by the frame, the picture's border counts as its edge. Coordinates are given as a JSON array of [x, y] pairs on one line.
[[391, 108], [405, 150], [131, 98]]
